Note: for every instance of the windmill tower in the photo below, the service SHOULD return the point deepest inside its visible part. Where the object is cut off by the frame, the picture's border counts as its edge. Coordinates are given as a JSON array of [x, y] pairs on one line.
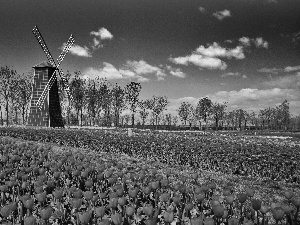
[[47, 112]]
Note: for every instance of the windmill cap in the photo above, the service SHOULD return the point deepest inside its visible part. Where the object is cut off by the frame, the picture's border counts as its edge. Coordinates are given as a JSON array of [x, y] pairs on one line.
[[44, 64]]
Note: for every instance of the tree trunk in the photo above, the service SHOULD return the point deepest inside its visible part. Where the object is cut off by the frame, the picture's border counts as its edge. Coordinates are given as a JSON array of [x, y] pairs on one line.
[[132, 120], [6, 113], [81, 117], [16, 111], [23, 114]]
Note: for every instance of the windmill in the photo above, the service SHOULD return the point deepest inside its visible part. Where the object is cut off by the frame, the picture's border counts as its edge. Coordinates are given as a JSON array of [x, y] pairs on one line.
[[48, 112]]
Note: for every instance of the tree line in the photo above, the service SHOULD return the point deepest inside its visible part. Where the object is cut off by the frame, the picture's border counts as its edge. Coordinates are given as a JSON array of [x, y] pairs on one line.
[[99, 102]]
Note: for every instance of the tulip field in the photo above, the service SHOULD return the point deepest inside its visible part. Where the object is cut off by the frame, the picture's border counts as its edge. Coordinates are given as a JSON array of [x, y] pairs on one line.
[[72, 176]]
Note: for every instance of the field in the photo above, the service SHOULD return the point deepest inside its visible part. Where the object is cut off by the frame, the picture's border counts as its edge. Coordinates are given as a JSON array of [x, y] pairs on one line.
[[73, 176]]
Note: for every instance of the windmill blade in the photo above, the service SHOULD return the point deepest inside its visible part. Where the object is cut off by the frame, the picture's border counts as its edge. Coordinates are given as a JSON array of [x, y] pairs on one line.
[[46, 90], [67, 47], [42, 43]]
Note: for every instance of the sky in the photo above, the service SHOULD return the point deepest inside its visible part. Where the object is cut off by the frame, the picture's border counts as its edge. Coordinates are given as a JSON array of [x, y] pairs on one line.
[[244, 52]]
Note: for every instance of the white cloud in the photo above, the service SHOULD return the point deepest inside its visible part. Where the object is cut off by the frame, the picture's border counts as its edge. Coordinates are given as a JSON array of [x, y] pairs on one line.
[[220, 15], [78, 50], [201, 61], [176, 72], [230, 74], [245, 41], [215, 50], [247, 99], [102, 33], [142, 67], [269, 70], [244, 76], [291, 68], [290, 81], [201, 9], [255, 99], [260, 43], [110, 72]]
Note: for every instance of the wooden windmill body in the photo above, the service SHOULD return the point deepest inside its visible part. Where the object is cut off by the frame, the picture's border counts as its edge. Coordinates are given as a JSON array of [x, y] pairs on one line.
[[50, 113], [45, 109]]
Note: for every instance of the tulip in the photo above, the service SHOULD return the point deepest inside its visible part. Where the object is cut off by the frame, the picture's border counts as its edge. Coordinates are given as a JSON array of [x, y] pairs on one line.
[[189, 206], [168, 217], [226, 192], [5, 211], [29, 203], [195, 176], [209, 221], [200, 197], [233, 221], [122, 201], [88, 195], [46, 213], [256, 204], [41, 197], [218, 210], [165, 197], [250, 192], [296, 201], [242, 198], [133, 193], [58, 193], [278, 213], [154, 185], [148, 210], [116, 218], [229, 199], [197, 221], [88, 184], [100, 211], [165, 183], [113, 203], [264, 209], [76, 203], [30, 220], [77, 194], [120, 191], [176, 199], [129, 210], [104, 222], [288, 194], [85, 217]]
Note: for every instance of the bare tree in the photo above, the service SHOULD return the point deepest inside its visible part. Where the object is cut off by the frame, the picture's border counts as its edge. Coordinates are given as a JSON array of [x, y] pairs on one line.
[[132, 91], [78, 94], [157, 105], [204, 108], [144, 105], [184, 111], [7, 77]]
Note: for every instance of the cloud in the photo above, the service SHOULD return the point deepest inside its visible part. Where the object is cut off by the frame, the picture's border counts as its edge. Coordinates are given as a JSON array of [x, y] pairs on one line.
[[291, 68], [255, 99], [201, 9], [245, 41], [220, 15], [260, 43], [141, 67], [269, 70], [289, 81], [247, 99], [78, 50], [110, 72], [230, 74], [103, 34], [215, 50], [200, 61], [244, 76]]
